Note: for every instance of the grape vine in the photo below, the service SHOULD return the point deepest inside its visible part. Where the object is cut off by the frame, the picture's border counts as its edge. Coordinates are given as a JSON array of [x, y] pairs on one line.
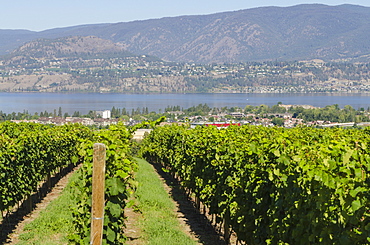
[[274, 185], [120, 184], [29, 152]]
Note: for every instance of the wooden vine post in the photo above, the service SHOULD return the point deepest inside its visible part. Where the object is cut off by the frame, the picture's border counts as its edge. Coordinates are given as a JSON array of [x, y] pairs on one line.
[[98, 186], [227, 227]]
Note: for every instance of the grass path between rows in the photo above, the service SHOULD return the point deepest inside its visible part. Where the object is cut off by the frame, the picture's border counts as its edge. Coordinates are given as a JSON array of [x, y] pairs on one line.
[[154, 216], [158, 222], [53, 223]]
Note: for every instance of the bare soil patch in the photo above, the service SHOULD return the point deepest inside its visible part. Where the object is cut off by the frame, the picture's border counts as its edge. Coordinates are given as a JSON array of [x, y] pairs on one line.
[[132, 230]]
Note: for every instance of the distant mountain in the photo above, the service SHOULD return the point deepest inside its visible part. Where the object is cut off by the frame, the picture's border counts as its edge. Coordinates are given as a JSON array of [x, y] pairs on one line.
[[11, 39], [269, 33], [92, 64], [69, 51], [76, 46], [66, 47]]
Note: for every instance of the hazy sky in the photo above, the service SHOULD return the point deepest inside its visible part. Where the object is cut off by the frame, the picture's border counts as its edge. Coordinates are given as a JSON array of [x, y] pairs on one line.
[[46, 14]]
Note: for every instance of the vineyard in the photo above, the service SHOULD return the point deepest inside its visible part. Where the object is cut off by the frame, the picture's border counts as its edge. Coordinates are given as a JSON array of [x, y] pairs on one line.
[[30, 153], [274, 185], [266, 185]]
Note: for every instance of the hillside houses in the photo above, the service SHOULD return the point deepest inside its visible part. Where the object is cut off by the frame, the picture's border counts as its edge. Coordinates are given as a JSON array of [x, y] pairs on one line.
[[99, 122]]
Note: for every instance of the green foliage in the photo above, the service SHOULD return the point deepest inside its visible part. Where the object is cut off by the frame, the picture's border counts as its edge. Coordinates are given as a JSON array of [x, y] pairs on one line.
[[330, 113], [148, 124], [200, 109], [119, 185], [278, 121], [274, 185], [30, 152]]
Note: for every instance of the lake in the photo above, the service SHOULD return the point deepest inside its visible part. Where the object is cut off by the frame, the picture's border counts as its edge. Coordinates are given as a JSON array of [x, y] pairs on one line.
[[84, 102]]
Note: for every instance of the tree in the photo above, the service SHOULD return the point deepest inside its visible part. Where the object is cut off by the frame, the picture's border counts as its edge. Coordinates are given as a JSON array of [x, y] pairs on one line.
[[277, 121], [60, 114], [91, 114], [125, 118], [124, 112], [262, 109], [249, 108], [35, 116]]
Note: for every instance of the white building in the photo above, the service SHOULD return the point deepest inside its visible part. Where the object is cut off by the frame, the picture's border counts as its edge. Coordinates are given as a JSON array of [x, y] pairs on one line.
[[104, 114]]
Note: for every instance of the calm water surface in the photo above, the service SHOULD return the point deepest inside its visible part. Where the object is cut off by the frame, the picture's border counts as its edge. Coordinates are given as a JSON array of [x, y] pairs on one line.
[[37, 102]]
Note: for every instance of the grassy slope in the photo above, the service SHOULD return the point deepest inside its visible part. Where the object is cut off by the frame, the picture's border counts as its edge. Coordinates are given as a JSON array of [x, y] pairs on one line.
[[159, 223]]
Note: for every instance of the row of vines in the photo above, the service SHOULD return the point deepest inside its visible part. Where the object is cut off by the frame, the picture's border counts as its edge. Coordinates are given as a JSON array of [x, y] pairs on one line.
[[31, 152], [274, 185], [119, 183]]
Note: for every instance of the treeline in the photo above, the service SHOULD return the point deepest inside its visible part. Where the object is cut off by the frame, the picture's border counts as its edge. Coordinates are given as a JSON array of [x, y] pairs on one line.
[[115, 113], [332, 113], [25, 115]]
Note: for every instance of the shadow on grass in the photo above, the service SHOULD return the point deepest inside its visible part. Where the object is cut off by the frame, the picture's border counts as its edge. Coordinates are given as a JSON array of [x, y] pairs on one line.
[[198, 223], [12, 219]]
